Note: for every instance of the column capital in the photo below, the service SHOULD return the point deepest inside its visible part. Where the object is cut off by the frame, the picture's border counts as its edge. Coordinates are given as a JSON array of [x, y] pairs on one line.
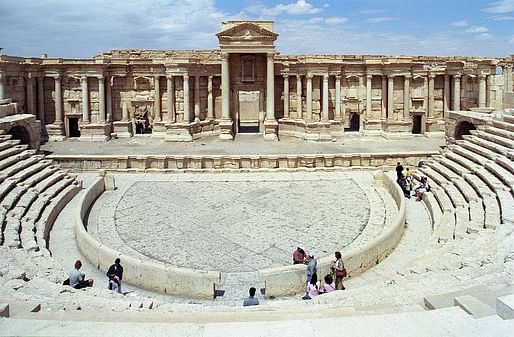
[[338, 77], [100, 77], [325, 77], [270, 56], [298, 76], [185, 76], [482, 77], [224, 56], [169, 77], [369, 76], [285, 76], [407, 76], [83, 78], [457, 76], [156, 77], [309, 76], [390, 76], [446, 77], [431, 76]]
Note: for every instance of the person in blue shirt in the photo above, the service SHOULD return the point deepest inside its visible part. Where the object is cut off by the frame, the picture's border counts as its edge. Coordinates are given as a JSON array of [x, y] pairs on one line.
[[251, 300]]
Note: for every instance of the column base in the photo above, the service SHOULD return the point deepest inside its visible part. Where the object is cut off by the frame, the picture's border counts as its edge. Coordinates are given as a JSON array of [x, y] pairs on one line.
[[95, 132], [226, 134], [55, 132], [270, 130], [122, 129], [318, 131], [178, 132]]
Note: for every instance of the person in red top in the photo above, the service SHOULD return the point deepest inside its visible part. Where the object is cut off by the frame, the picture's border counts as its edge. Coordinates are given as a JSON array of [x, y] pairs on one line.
[[299, 256]]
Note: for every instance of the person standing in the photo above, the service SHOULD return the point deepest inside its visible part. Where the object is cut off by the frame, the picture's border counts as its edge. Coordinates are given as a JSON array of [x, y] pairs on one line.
[[251, 300], [399, 171], [77, 278], [115, 275], [339, 271], [311, 266]]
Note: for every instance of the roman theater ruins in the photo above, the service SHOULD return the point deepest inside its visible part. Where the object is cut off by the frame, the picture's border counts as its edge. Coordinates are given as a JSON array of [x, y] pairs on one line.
[[203, 170]]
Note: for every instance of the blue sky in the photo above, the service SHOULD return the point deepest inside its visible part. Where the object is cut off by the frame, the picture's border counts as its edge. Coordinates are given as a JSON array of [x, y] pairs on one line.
[[83, 28]]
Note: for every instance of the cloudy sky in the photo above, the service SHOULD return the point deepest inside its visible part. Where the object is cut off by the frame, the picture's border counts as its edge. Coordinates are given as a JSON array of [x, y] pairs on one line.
[[83, 28]]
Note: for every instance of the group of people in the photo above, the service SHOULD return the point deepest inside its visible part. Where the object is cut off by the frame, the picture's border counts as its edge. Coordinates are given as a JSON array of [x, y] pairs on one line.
[[406, 182], [77, 279], [332, 281]]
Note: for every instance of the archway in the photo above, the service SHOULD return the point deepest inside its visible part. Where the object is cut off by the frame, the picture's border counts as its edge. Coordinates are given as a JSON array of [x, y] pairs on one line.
[[463, 128], [21, 133]]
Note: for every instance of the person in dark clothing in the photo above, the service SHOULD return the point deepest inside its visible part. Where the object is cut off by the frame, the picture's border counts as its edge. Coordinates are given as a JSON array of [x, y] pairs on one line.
[[399, 171], [115, 275]]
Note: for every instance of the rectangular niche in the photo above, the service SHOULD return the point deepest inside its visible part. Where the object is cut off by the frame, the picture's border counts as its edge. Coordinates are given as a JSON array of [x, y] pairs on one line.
[[248, 68]]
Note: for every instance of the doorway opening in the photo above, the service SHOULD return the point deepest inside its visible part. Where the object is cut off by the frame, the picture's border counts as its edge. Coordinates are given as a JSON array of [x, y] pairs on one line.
[[354, 122], [20, 133], [73, 127], [416, 124]]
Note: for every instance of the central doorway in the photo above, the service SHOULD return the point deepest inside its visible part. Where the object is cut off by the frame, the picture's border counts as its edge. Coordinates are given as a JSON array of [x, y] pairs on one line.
[[250, 105]]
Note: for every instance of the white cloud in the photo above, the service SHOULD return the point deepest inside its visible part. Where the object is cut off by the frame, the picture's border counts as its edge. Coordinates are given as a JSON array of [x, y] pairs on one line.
[[300, 7], [334, 21], [503, 6], [461, 23], [380, 19], [511, 41], [477, 30], [484, 36], [502, 18]]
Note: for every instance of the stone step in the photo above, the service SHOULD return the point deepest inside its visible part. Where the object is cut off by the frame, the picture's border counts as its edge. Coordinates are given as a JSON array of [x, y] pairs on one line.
[[503, 125], [22, 164], [36, 178], [474, 306], [499, 132], [506, 163], [435, 176], [502, 174], [505, 306], [446, 300], [493, 138], [49, 181], [507, 206], [444, 171], [12, 150], [476, 150], [461, 158], [466, 189], [491, 180], [11, 160], [508, 119], [31, 170], [453, 165], [6, 144]]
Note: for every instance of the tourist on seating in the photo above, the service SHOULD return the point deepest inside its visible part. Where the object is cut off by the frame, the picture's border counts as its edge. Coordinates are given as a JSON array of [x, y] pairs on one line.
[[404, 186], [339, 271], [422, 188], [409, 176], [399, 171], [329, 285], [311, 266], [313, 288], [77, 278], [251, 300], [299, 256], [115, 274]]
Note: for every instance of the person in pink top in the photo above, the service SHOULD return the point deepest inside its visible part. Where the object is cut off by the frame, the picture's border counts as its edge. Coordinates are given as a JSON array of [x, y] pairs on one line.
[[299, 256], [313, 288], [329, 285]]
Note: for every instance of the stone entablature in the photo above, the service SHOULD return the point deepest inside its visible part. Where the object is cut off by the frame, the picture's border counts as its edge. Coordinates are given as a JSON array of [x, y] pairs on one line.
[[187, 94]]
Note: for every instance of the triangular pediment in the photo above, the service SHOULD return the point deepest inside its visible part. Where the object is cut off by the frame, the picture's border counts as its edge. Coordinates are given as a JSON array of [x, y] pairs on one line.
[[247, 31]]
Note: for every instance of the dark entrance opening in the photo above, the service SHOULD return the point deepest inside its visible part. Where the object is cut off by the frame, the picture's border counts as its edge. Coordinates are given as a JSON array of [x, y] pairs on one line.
[[354, 122], [248, 128], [416, 124], [74, 130], [20, 133], [463, 128]]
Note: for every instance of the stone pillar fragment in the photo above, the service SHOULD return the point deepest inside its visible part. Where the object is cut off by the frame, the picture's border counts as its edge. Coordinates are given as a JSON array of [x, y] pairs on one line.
[[286, 96], [456, 92], [368, 95], [85, 100], [2, 85], [308, 116], [157, 103], [298, 96], [186, 117], [481, 91], [30, 95], [101, 99], [58, 100], [170, 89], [108, 98], [446, 96], [270, 88], [197, 99], [210, 105], [225, 87], [337, 112], [324, 112], [431, 97], [406, 97], [383, 115], [390, 97], [41, 99]]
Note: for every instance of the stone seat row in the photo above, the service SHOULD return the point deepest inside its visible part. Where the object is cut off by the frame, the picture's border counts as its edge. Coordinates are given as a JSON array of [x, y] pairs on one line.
[[31, 191]]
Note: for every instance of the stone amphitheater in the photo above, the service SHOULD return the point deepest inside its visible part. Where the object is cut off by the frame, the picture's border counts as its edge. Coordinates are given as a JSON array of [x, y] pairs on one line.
[[197, 223]]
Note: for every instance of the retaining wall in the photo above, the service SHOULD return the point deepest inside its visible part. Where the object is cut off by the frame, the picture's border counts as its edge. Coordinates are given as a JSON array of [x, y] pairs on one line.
[[289, 280], [146, 274]]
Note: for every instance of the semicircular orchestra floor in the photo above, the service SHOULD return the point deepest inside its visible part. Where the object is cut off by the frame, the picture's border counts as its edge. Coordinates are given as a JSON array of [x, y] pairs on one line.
[[231, 222]]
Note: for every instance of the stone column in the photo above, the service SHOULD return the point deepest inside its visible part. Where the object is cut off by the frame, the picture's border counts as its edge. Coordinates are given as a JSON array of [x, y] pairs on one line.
[[324, 111], [431, 97], [170, 89], [30, 95], [58, 100], [286, 96], [425, 95], [210, 106], [298, 96], [406, 97], [101, 99], [446, 96], [124, 112], [508, 82], [197, 99], [456, 92], [490, 92], [368, 95], [343, 107], [157, 103], [383, 115], [2, 85], [108, 98], [481, 91], [225, 87], [41, 99], [187, 112], [337, 112], [85, 101], [308, 99], [270, 88], [390, 96]]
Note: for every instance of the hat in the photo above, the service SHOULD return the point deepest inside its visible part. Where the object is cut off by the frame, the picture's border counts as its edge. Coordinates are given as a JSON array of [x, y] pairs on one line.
[[312, 254], [300, 246]]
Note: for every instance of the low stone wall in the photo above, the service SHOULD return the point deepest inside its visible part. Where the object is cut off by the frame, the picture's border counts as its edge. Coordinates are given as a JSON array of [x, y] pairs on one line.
[[250, 162], [146, 274], [288, 280]]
